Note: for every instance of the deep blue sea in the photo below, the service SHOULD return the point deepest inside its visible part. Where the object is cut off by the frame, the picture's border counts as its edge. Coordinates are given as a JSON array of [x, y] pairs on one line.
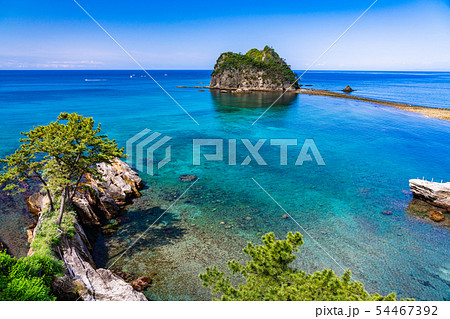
[[370, 152]]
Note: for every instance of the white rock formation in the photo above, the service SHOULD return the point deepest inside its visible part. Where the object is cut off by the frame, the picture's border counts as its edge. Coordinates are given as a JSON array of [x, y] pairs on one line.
[[436, 194]]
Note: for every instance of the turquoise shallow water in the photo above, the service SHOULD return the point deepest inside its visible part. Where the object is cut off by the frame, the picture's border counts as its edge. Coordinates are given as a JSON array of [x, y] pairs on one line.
[[370, 153]]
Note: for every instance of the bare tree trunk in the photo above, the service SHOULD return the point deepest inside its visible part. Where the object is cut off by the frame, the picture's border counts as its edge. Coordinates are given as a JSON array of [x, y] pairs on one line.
[[52, 208], [75, 188], [63, 206]]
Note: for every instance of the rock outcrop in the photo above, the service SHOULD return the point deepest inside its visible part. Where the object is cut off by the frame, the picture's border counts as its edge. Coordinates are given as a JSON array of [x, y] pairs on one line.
[[255, 70], [435, 194], [99, 200], [348, 89], [102, 197], [85, 210], [89, 283], [119, 182], [94, 284], [37, 203]]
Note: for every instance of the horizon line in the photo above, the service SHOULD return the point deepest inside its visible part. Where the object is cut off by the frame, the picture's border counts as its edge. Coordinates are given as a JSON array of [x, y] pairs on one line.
[[326, 70]]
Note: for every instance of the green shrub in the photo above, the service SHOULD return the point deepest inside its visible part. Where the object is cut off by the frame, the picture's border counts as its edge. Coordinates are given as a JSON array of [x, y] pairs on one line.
[[49, 233], [27, 278], [268, 276]]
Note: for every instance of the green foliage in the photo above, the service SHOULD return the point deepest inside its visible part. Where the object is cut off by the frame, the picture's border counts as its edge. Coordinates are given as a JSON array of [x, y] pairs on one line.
[[267, 60], [59, 154], [267, 55], [268, 276], [27, 278], [49, 233]]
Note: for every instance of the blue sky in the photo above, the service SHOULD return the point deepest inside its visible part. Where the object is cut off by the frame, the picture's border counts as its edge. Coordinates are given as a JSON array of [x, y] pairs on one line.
[[393, 35]]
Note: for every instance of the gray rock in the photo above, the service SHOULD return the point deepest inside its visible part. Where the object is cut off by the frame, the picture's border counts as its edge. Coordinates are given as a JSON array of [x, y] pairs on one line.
[[105, 203], [124, 170], [245, 80], [94, 284], [118, 180], [436, 194], [85, 210]]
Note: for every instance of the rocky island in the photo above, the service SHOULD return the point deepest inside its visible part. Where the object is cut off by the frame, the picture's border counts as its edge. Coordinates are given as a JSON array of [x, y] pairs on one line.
[[257, 70]]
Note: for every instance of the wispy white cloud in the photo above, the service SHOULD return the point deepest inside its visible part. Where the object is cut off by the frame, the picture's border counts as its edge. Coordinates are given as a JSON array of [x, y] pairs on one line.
[[81, 64], [76, 62]]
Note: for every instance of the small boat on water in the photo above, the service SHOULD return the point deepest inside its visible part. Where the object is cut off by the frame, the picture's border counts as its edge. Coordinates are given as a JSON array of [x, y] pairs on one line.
[[94, 80]]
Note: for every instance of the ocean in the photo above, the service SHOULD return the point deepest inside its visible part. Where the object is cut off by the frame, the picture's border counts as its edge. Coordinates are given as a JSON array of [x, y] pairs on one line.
[[370, 153]]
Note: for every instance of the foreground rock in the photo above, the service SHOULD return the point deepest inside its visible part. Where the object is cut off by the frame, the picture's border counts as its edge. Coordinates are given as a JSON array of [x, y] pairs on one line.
[[98, 202], [94, 284], [84, 280], [435, 194], [255, 70]]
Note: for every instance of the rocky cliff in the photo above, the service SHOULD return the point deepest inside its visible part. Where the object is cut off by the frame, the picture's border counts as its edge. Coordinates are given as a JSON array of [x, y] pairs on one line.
[[255, 70], [93, 284], [100, 201]]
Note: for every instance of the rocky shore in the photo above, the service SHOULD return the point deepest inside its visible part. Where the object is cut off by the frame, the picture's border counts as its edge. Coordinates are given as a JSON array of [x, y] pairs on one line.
[[431, 200], [95, 206]]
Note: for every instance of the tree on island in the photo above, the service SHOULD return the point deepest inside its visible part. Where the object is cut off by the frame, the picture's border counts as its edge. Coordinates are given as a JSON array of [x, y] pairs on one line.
[[268, 276], [59, 154]]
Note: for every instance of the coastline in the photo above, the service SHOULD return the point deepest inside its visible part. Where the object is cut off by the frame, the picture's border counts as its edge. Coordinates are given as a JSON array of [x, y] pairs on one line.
[[440, 113], [180, 240]]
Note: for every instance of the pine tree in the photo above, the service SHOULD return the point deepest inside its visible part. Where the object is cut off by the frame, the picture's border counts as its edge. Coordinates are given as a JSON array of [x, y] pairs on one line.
[[268, 276], [59, 154]]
